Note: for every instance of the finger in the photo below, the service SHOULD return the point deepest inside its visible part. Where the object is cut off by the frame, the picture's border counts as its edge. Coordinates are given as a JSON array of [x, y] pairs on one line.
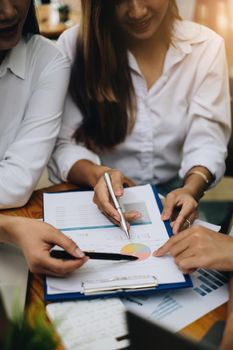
[[184, 214], [165, 248], [110, 218], [117, 182], [128, 182], [179, 247], [102, 200], [188, 222], [132, 215], [189, 264], [66, 243], [61, 267], [169, 205]]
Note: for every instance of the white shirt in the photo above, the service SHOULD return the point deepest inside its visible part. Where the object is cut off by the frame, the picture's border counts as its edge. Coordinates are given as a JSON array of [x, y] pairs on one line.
[[33, 83], [182, 121]]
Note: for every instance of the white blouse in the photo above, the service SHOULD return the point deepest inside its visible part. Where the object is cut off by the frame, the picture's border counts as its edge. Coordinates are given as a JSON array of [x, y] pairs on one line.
[[33, 83], [183, 120]]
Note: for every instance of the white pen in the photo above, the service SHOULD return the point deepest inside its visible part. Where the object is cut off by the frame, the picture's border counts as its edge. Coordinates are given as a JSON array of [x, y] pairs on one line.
[[108, 182]]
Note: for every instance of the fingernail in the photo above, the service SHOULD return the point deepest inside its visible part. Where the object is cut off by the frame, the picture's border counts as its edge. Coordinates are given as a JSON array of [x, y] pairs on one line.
[[118, 192], [164, 217], [156, 253], [137, 216], [79, 253]]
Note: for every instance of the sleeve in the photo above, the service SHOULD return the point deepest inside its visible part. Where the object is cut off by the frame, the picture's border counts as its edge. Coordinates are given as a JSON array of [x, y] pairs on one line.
[[209, 121], [67, 152], [27, 156]]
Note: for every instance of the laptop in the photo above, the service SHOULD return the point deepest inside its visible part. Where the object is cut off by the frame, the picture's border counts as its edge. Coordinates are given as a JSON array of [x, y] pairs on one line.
[[13, 278], [146, 334]]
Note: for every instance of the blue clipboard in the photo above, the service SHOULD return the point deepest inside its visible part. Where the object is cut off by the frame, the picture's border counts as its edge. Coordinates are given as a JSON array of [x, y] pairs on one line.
[[122, 293]]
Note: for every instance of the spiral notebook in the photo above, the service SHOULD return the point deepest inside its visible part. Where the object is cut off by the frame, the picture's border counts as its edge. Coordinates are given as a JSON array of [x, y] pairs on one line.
[[75, 214]]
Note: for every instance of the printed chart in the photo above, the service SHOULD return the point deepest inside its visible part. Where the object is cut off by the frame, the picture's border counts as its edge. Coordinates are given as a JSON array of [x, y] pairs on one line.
[[142, 251]]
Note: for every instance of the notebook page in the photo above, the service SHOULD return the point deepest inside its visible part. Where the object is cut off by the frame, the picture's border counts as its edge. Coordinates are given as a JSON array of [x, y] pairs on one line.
[[90, 324]]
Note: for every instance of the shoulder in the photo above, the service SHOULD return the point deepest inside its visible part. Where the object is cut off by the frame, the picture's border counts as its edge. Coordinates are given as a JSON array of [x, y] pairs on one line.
[[67, 42], [195, 34], [44, 51]]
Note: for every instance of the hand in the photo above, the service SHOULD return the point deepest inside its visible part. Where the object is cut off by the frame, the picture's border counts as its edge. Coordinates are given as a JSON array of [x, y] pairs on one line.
[[199, 247], [36, 240], [103, 200], [179, 199]]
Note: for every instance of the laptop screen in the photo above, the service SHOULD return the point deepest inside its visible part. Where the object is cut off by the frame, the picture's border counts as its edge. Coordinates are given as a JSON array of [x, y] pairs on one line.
[[145, 334]]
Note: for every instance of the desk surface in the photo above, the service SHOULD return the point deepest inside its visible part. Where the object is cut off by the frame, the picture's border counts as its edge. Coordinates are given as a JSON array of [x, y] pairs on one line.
[[49, 23], [35, 288]]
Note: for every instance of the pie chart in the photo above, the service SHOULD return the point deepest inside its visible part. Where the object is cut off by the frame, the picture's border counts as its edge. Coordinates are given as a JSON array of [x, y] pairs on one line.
[[140, 250]]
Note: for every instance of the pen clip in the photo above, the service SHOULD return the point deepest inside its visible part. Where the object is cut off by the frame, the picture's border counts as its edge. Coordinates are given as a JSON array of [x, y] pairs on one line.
[[119, 284]]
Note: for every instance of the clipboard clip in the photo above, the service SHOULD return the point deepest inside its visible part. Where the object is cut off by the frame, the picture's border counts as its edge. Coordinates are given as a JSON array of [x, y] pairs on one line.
[[119, 284]]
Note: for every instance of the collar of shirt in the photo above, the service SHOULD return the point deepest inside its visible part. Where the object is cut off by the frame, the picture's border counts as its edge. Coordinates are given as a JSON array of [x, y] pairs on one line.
[[15, 61], [185, 35]]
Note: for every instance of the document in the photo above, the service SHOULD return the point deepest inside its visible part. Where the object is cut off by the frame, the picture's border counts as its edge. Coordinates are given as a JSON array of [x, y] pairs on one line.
[[90, 325], [77, 216], [177, 308]]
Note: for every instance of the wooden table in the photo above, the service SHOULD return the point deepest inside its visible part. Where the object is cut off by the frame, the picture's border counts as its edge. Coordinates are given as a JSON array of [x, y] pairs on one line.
[[49, 23], [33, 209]]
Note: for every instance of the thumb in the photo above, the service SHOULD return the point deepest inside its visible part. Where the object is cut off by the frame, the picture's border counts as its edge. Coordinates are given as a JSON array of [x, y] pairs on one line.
[[68, 245]]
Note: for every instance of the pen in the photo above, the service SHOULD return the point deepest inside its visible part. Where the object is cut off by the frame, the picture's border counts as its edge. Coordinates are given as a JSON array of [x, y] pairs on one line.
[[62, 254], [108, 182]]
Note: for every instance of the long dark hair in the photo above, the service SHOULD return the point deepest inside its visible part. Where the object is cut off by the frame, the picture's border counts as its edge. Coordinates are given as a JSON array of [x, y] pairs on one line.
[[101, 84], [31, 25]]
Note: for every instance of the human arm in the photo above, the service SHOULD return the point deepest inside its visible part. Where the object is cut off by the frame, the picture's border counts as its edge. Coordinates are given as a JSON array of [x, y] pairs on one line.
[[200, 247], [87, 173], [36, 126], [36, 239], [207, 126], [75, 163], [227, 339]]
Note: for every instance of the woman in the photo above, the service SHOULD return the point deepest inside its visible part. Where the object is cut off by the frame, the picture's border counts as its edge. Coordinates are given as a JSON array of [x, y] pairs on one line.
[[148, 96], [33, 80]]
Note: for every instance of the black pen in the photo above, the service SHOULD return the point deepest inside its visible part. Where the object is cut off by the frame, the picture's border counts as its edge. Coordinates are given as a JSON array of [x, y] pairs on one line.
[[62, 254]]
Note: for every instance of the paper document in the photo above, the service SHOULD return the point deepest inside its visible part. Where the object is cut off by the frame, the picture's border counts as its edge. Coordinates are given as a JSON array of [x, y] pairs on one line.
[[90, 325], [77, 216], [178, 308]]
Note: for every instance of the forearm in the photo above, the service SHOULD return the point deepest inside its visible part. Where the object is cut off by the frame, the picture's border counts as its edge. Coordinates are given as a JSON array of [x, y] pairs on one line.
[[6, 233], [197, 180], [84, 172]]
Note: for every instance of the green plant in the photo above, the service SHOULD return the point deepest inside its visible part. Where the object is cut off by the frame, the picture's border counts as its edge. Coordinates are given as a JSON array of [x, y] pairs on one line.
[[30, 332]]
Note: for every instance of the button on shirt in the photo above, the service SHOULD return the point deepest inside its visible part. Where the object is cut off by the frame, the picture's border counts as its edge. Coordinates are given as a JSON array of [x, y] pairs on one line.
[[182, 121], [33, 82]]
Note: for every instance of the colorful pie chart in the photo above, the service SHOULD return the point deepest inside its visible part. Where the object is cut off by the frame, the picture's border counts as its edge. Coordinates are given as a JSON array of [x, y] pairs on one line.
[[137, 249]]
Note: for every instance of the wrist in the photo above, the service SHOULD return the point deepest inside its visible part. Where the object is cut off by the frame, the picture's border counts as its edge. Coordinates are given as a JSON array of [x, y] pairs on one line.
[[8, 234], [193, 191], [197, 180], [96, 172]]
